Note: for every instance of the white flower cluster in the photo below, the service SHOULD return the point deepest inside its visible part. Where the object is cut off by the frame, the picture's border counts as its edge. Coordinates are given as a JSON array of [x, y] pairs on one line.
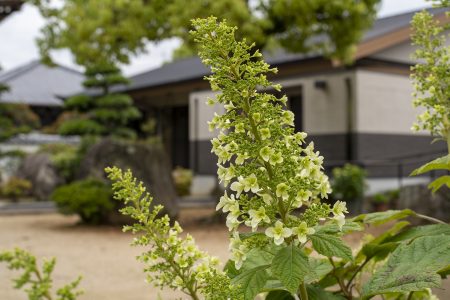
[[269, 168]]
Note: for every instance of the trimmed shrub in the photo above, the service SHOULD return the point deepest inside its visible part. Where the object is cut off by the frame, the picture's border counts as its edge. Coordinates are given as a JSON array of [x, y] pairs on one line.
[[91, 199], [16, 187]]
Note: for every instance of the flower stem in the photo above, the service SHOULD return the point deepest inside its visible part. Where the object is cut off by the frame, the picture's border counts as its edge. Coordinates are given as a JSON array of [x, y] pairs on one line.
[[303, 292]]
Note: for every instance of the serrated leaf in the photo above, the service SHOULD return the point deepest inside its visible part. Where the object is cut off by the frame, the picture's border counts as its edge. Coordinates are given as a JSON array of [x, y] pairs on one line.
[[321, 268], [379, 252], [290, 265], [348, 227], [330, 246], [441, 163], [435, 185], [317, 293], [419, 231], [279, 295], [379, 218], [257, 257], [411, 267], [250, 283]]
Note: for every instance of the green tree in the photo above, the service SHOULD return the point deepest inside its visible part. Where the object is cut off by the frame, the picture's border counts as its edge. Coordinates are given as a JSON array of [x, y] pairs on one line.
[[118, 29], [101, 111], [431, 82], [15, 118]]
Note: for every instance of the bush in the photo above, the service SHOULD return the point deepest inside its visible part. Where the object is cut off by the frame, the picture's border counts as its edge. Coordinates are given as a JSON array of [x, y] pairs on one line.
[[183, 180], [91, 199], [349, 183], [16, 118], [15, 188]]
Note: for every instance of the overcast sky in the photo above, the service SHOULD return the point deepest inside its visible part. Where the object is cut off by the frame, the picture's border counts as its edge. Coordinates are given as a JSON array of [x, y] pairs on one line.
[[18, 33]]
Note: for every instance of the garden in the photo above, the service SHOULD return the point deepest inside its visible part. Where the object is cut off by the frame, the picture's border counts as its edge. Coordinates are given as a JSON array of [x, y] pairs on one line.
[[280, 226]]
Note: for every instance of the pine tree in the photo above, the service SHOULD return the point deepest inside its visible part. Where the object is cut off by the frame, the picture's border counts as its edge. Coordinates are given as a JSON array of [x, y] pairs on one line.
[[101, 111]]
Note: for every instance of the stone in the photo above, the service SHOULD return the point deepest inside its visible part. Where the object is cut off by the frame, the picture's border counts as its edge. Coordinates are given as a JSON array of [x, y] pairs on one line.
[[420, 199], [148, 162], [41, 172]]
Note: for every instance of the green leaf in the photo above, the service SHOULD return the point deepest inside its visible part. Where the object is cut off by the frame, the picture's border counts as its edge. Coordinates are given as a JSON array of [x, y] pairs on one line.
[[379, 252], [250, 283], [348, 227], [444, 271], [317, 293], [411, 267], [441, 163], [321, 268], [290, 265], [379, 218], [279, 295], [438, 183], [230, 269], [419, 231], [330, 246], [257, 257], [381, 246]]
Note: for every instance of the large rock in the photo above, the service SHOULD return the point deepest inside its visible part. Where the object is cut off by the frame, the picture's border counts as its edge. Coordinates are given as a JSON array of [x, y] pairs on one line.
[[420, 199], [148, 162], [41, 172]]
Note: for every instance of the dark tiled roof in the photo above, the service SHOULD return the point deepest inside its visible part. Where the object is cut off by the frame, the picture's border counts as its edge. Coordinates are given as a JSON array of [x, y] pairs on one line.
[[192, 68], [9, 6], [38, 84]]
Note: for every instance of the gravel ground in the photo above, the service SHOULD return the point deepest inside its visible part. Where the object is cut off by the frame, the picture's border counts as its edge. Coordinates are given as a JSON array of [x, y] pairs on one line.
[[102, 255]]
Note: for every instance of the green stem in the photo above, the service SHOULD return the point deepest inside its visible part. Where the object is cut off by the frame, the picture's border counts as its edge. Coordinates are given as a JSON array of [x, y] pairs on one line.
[[431, 219], [356, 272], [303, 292], [410, 295], [339, 280]]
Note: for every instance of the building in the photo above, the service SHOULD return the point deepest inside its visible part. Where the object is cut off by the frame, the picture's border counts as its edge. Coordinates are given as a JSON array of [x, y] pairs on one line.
[[361, 114], [40, 87]]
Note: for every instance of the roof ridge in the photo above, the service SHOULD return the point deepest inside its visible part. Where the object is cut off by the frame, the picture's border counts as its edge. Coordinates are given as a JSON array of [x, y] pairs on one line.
[[17, 71]]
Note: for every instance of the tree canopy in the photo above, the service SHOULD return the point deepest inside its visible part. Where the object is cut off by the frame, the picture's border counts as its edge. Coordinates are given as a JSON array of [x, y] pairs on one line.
[[115, 30]]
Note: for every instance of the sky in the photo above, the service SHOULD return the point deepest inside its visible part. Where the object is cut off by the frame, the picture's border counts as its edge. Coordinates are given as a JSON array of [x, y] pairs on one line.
[[19, 31]]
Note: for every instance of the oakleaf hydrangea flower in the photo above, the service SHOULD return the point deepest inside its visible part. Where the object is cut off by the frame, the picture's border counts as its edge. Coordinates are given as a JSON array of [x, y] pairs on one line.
[[338, 210], [302, 231], [256, 216], [278, 233], [283, 191]]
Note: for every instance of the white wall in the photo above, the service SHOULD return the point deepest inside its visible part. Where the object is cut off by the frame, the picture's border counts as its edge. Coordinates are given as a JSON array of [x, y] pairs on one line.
[[384, 103], [324, 111], [200, 114]]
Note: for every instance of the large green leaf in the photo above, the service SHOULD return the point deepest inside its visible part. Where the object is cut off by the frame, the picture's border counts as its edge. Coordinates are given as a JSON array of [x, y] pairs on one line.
[[438, 183], [379, 218], [441, 163], [321, 268], [250, 283], [419, 231], [317, 293], [333, 228], [411, 267], [330, 246], [257, 257], [290, 265], [230, 269]]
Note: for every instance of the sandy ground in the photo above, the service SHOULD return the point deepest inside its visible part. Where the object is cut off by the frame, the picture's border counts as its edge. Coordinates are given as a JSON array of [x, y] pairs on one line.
[[102, 255]]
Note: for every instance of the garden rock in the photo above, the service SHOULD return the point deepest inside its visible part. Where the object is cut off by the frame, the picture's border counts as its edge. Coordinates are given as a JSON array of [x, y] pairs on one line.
[[41, 172], [420, 199], [148, 162]]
